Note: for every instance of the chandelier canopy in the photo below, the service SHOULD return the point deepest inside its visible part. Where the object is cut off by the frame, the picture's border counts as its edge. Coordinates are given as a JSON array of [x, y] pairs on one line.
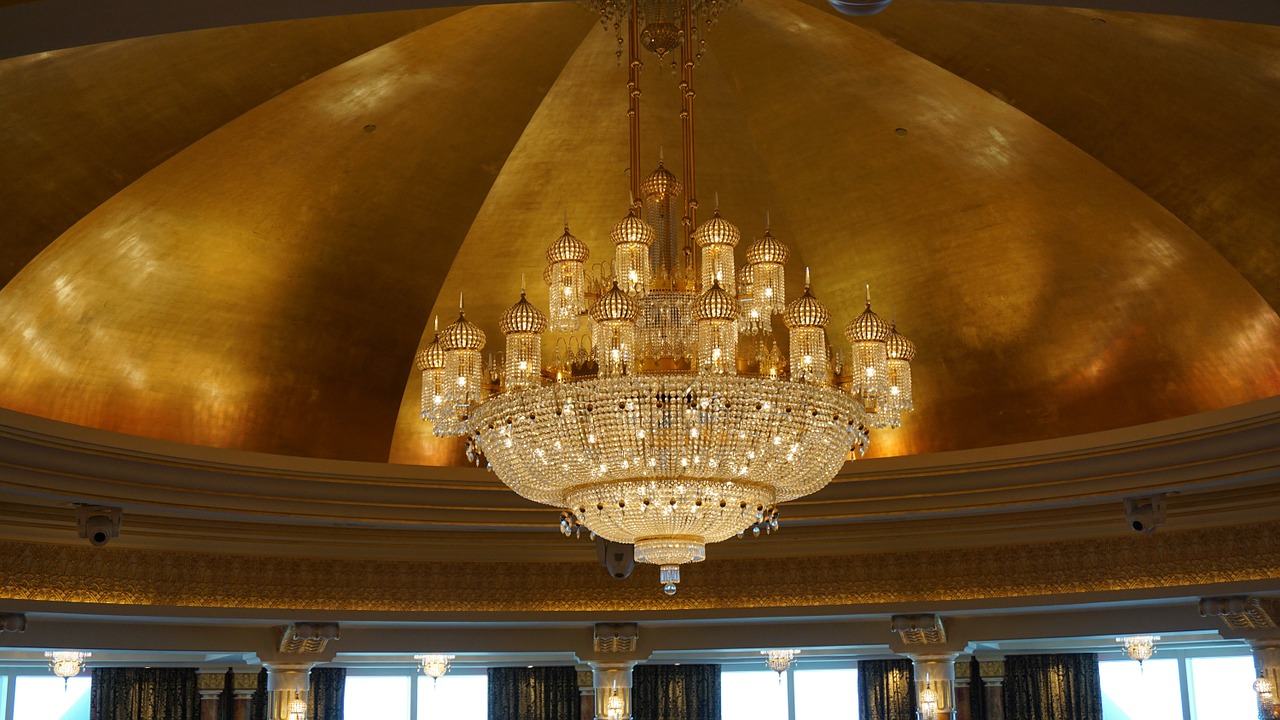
[[685, 423]]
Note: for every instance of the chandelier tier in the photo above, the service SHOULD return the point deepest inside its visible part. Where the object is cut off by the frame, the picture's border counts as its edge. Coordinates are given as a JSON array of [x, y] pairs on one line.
[[684, 423]]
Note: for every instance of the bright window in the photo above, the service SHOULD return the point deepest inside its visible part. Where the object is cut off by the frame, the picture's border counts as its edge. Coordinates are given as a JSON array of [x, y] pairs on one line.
[[1222, 688], [453, 697], [826, 694], [1149, 692], [45, 698], [752, 695], [375, 698]]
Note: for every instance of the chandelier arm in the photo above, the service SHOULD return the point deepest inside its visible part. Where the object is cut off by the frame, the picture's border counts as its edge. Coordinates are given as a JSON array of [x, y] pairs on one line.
[[686, 126], [633, 92]]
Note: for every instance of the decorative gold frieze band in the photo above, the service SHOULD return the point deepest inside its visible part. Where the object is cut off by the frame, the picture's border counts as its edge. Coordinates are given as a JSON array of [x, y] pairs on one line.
[[121, 576]]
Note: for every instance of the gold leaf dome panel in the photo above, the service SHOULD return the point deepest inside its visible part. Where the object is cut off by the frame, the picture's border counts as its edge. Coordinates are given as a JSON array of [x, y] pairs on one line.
[[267, 286]]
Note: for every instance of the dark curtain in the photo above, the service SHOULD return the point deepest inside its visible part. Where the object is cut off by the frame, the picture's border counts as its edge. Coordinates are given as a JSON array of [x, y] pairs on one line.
[[328, 690], [258, 703], [977, 691], [1052, 687], [144, 694], [886, 690], [226, 707], [675, 692], [536, 693]]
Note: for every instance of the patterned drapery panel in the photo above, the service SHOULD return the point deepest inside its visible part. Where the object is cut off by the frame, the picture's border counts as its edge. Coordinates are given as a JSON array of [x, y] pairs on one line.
[[675, 692], [258, 703], [977, 691], [886, 690], [1052, 687], [328, 692], [537, 693], [144, 694]]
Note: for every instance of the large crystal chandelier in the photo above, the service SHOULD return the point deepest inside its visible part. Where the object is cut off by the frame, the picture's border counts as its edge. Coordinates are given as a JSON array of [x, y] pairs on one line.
[[688, 415]]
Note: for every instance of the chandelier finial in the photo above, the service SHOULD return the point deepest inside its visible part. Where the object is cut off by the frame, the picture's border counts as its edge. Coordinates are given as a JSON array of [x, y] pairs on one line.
[[806, 277]]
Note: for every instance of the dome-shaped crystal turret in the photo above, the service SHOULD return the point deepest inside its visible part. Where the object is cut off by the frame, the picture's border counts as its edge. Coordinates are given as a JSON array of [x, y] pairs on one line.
[[566, 282], [716, 304], [614, 335], [767, 258], [898, 400], [869, 365], [807, 320], [631, 263], [717, 238], [523, 317], [523, 324], [462, 342], [432, 361], [716, 313]]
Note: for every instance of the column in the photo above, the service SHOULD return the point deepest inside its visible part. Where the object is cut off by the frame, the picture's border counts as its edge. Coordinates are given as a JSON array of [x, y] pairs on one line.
[[586, 695], [993, 682], [209, 683], [244, 685], [612, 686], [1266, 661], [287, 684], [937, 672]]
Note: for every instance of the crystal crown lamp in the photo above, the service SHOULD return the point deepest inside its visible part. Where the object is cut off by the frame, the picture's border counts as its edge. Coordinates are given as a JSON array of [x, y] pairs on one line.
[[693, 414], [1139, 647], [67, 664]]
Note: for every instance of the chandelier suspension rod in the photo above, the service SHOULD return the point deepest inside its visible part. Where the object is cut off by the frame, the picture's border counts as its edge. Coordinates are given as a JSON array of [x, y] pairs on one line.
[[686, 128], [633, 91]]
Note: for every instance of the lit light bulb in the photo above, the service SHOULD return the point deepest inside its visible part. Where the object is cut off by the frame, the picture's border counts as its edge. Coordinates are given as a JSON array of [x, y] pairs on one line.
[[462, 380]]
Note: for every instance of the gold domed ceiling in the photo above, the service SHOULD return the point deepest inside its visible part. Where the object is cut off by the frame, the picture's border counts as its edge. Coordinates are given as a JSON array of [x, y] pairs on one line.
[[235, 238]]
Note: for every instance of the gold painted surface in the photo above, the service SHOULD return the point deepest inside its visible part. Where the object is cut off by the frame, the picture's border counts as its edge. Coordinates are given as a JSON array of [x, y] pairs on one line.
[[1047, 295], [1187, 110], [1167, 563], [264, 288], [77, 126]]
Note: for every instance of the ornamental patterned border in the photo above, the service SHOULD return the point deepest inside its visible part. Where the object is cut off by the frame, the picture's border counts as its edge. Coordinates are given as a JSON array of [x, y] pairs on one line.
[[121, 576]]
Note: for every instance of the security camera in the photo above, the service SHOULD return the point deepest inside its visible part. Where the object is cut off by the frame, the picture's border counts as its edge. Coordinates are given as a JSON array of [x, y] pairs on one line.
[[618, 558], [98, 525], [1145, 514], [859, 8]]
